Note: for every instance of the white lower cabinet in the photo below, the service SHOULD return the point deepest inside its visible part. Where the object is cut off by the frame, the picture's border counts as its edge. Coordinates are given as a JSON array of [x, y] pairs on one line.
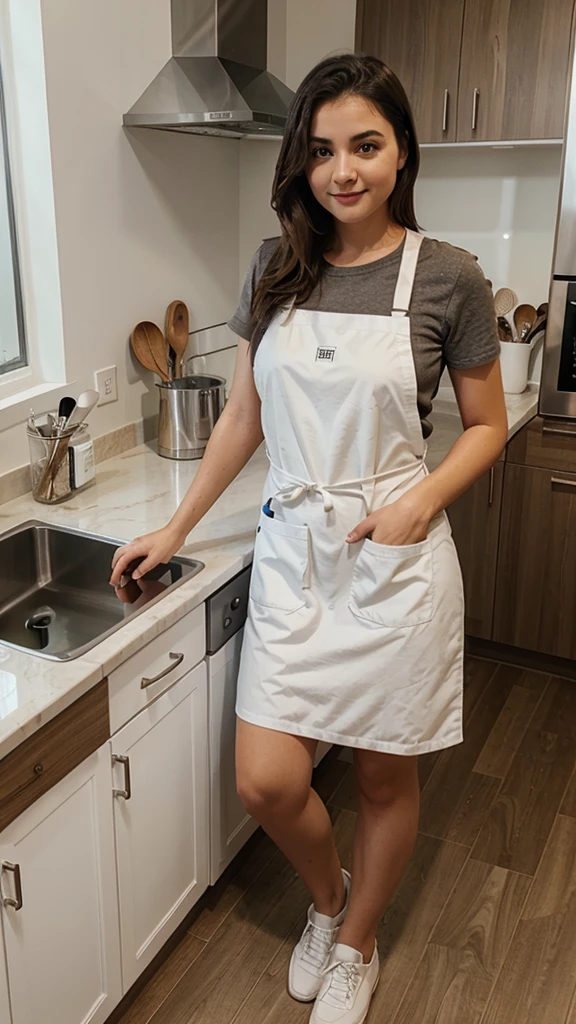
[[161, 818], [5, 1015], [62, 942], [230, 826]]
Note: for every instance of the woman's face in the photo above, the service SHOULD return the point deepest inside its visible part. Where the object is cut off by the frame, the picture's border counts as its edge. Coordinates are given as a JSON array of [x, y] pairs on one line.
[[353, 159]]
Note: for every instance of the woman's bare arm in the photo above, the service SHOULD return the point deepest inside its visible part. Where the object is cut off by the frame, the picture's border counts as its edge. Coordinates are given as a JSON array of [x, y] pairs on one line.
[[235, 438]]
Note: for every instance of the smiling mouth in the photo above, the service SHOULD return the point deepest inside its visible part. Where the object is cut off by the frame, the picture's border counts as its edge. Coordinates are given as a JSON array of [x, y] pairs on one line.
[[347, 195]]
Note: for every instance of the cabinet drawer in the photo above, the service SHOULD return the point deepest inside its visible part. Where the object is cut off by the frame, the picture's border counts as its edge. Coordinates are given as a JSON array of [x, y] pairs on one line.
[[545, 444], [136, 683], [42, 760]]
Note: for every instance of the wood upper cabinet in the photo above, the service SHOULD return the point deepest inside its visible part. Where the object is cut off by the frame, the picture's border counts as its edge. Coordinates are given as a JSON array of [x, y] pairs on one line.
[[475, 522], [475, 70], [514, 69], [420, 40]]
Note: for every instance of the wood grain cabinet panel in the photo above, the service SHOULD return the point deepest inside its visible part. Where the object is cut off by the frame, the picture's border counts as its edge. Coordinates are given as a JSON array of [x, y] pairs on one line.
[[49, 754], [535, 605], [475, 521], [547, 444], [514, 69], [420, 40]]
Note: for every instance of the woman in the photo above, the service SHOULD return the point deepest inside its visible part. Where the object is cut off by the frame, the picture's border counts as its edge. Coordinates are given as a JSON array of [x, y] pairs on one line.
[[355, 627]]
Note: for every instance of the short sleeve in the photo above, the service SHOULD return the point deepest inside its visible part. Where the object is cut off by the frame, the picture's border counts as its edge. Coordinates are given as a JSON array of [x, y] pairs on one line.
[[241, 323], [472, 337]]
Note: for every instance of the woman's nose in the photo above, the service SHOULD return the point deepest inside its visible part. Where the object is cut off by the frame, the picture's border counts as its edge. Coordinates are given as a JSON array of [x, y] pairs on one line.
[[344, 170]]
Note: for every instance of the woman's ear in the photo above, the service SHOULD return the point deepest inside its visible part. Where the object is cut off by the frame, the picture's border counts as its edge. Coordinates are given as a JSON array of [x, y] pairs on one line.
[[402, 155]]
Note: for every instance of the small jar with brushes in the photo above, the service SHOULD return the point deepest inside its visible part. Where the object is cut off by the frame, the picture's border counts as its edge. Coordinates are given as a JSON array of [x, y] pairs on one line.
[[49, 440]]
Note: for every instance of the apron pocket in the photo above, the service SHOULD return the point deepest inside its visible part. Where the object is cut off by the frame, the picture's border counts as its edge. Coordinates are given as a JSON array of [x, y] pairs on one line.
[[393, 585], [280, 563]]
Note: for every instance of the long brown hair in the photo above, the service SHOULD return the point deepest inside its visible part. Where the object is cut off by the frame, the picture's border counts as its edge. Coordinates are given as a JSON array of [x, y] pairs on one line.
[[295, 268]]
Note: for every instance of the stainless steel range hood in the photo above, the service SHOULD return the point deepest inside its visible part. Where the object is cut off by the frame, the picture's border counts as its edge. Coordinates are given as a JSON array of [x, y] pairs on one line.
[[216, 83]]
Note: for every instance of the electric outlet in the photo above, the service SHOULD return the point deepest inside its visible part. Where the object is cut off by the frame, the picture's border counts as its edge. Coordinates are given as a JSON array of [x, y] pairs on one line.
[[106, 385]]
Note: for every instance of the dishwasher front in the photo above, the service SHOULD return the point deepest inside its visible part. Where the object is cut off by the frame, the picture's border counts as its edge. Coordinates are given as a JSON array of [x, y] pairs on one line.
[[230, 826]]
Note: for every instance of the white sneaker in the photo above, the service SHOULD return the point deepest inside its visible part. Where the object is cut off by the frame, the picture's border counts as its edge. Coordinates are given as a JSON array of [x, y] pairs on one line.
[[312, 952], [347, 987]]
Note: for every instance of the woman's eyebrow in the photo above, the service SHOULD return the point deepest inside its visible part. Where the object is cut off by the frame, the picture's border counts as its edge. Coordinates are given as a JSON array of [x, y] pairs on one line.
[[354, 138]]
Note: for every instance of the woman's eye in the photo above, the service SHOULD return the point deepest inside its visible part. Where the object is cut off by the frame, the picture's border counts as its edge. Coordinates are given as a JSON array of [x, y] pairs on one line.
[[368, 147], [320, 152]]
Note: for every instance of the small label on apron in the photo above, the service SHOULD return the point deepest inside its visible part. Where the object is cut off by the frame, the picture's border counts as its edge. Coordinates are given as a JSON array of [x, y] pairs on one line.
[[325, 354]]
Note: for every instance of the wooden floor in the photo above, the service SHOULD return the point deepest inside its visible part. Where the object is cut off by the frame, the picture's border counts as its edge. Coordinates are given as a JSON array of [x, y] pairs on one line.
[[483, 927]]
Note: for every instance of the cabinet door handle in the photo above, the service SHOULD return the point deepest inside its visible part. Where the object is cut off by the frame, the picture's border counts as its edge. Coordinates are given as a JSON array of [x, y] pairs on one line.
[[475, 99], [176, 658], [491, 488], [125, 793], [445, 111], [558, 430], [8, 901], [557, 481]]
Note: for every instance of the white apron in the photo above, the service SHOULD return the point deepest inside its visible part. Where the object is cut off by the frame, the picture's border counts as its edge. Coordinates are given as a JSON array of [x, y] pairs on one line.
[[357, 644]]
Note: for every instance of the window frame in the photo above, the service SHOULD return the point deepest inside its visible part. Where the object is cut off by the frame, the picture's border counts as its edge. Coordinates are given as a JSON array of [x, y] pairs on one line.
[[42, 381], [22, 360]]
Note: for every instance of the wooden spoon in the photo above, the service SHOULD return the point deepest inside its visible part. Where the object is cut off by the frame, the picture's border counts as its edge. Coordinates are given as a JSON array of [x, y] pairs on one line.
[[149, 347], [177, 331], [504, 300], [525, 317], [542, 309]]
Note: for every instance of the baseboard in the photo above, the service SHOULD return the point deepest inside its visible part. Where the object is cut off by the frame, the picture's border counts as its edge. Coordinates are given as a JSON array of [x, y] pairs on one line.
[[522, 658]]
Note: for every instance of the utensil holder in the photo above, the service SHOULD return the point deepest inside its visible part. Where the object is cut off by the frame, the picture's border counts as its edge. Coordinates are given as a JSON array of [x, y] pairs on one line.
[[189, 408], [49, 465], [514, 363]]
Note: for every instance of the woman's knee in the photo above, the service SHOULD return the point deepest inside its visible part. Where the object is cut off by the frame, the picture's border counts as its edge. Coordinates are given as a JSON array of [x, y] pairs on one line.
[[384, 778], [266, 796], [273, 771]]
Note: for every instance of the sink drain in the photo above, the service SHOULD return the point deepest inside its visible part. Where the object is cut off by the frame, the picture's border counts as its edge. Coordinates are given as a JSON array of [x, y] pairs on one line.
[[39, 624]]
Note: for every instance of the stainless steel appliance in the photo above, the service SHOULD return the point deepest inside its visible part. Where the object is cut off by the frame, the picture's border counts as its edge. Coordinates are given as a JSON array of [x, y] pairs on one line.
[[558, 391], [189, 408], [216, 83], [230, 826]]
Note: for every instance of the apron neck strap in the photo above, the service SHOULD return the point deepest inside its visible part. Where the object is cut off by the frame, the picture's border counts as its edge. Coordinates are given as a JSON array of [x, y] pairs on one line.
[[405, 283]]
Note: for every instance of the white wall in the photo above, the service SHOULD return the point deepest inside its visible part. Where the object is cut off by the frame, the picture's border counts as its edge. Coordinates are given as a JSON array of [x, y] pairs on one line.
[[142, 217], [316, 29], [311, 31], [498, 203]]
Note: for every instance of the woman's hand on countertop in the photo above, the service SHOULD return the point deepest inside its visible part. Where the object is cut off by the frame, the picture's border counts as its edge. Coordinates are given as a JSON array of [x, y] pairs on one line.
[[404, 521], [153, 548]]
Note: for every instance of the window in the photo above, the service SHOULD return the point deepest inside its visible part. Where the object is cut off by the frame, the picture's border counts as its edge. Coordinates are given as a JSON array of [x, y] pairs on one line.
[[13, 353], [32, 356]]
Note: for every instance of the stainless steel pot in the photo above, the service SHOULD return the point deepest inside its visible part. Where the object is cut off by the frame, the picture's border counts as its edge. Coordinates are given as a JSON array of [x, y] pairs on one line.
[[189, 408]]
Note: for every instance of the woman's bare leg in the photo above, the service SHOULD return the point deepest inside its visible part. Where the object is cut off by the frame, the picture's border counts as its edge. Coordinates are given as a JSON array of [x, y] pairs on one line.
[[274, 772], [387, 824]]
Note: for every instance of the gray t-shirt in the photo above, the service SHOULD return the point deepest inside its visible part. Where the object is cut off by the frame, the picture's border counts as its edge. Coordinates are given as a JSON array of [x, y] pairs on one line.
[[451, 315]]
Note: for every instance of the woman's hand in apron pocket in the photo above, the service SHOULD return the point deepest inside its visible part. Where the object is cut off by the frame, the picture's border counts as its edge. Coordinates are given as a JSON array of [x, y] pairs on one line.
[[402, 522], [393, 578]]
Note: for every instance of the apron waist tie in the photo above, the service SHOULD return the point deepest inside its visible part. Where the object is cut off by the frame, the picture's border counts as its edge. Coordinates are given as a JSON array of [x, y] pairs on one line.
[[295, 488]]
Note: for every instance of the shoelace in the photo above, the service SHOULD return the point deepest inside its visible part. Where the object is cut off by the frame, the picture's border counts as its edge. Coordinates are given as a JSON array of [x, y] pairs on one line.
[[343, 984], [317, 945]]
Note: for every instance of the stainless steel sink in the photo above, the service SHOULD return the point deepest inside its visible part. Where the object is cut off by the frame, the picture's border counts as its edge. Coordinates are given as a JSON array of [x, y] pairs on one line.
[[55, 599]]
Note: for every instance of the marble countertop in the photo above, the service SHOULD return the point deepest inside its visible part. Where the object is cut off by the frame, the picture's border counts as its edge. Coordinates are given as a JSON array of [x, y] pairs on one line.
[[134, 493]]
